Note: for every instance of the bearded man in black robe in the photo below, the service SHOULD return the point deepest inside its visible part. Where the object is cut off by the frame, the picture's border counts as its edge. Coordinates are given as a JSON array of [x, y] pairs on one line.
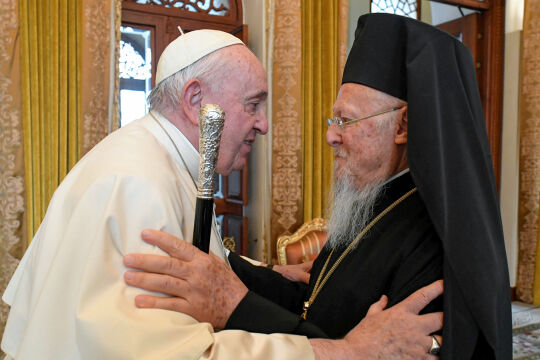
[[381, 239], [414, 201]]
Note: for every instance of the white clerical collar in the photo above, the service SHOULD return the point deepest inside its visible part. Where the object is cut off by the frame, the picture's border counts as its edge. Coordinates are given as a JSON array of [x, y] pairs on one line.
[[188, 153], [396, 176]]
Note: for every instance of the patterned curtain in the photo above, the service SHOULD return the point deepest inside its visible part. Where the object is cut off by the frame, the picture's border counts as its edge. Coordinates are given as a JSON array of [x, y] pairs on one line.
[[58, 83], [528, 277], [309, 46]]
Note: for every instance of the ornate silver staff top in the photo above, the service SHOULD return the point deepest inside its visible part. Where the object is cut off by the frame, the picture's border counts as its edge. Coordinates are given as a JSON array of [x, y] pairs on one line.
[[211, 119]]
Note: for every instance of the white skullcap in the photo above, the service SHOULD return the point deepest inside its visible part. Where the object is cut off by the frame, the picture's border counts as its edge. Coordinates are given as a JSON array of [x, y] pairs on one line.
[[190, 47]]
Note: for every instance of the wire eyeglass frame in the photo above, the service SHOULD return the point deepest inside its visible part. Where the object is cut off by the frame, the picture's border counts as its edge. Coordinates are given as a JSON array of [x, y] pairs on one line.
[[339, 121]]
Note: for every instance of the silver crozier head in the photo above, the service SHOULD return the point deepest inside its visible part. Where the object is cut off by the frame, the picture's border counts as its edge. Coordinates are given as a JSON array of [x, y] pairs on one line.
[[211, 119]]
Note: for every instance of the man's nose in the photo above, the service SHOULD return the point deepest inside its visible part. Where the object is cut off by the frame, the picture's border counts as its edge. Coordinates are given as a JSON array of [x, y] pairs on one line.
[[261, 124], [333, 135]]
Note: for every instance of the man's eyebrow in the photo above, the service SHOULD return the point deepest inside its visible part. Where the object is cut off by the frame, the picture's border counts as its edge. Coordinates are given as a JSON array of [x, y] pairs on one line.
[[260, 95]]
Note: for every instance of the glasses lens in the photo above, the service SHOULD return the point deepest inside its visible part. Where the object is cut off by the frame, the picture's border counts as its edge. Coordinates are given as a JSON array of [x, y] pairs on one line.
[[336, 121]]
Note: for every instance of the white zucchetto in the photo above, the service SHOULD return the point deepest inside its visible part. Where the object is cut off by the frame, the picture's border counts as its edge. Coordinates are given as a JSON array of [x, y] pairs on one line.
[[190, 47]]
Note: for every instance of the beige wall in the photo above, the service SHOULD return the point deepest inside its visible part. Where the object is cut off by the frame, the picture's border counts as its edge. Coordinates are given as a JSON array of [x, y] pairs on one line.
[[510, 132], [260, 161], [356, 8]]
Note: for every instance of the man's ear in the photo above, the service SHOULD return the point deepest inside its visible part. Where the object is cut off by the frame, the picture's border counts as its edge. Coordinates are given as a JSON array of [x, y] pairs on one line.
[[191, 100], [400, 136]]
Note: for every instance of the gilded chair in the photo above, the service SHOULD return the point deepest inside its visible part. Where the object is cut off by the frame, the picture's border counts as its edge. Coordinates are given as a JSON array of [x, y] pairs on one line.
[[303, 245]]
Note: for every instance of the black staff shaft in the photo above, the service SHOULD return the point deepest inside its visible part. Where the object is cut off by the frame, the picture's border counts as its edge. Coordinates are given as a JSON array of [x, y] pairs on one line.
[[203, 224]]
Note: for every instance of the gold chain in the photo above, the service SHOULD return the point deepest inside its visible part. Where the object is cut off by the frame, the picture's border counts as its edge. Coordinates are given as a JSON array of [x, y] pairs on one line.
[[319, 284]]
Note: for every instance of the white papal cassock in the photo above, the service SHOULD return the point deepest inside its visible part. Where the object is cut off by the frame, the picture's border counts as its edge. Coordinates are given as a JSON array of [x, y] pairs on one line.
[[68, 297]]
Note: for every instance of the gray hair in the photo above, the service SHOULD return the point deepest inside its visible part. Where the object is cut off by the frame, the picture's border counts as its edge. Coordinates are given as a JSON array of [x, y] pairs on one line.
[[166, 96], [385, 101]]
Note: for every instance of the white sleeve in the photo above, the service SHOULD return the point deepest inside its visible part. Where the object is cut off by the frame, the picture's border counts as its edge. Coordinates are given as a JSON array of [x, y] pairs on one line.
[[236, 345]]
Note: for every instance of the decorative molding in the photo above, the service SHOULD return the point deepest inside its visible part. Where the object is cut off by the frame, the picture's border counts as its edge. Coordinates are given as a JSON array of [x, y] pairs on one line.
[[471, 4], [95, 76], [132, 64], [11, 153], [529, 173], [286, 122], [229, 243], [114, 107], [269, 65], [409, 8], [207, 7], [227, 19]]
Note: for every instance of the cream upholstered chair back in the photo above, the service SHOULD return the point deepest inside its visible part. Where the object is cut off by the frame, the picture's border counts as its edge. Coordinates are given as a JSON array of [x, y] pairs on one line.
[[303, 245]]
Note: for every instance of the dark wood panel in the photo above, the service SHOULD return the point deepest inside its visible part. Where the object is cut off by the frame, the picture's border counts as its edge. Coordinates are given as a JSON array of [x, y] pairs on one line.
[[234, 17], [492, 78], [471, 4], [228, 207], [156, 24]]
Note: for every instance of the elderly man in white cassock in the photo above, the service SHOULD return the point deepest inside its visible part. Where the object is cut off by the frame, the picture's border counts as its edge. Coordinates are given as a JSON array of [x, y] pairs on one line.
[[68, 297]]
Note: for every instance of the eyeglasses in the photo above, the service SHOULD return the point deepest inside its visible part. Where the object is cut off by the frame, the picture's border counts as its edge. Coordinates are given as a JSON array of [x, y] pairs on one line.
[[342, 123]]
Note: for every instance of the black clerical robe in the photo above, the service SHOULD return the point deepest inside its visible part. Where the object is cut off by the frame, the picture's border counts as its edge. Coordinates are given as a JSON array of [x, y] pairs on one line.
[[399, 255]]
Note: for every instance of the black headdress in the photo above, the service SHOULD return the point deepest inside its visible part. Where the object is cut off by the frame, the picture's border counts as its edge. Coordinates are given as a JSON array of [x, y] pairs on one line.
[[450, 162]]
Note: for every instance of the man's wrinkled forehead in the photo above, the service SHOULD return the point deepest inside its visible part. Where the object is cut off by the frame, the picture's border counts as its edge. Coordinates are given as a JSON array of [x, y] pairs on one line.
[[245, 74]]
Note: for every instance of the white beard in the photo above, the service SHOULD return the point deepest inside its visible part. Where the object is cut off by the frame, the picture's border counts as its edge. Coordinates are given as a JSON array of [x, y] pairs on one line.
[[350, 209]]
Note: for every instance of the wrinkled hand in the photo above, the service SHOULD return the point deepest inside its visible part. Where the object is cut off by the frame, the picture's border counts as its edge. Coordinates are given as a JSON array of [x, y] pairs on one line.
[[396, 333], [201, 284], [297, 272]]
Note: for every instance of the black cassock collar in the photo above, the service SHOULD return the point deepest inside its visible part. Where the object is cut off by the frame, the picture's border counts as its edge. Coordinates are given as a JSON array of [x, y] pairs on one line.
[[450, 163]]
